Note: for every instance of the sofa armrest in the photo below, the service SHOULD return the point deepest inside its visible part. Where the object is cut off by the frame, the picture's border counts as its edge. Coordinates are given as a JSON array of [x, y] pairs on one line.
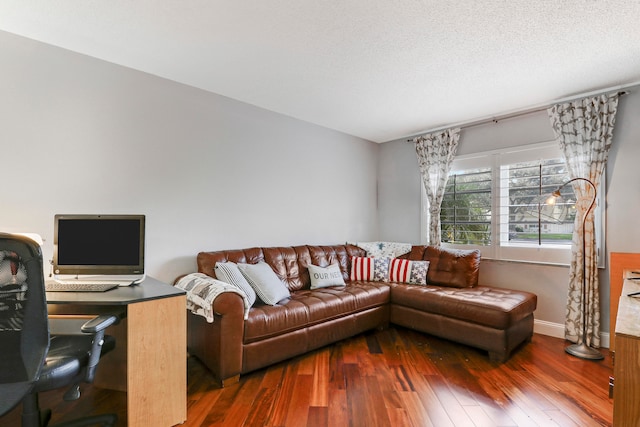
[[219, 344]]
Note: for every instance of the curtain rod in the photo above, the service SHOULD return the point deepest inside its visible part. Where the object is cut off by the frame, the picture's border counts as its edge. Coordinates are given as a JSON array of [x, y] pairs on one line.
[[525, 111]]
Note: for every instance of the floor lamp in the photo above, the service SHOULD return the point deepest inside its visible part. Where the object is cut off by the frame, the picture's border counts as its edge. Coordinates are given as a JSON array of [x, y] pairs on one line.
[[581, 349]]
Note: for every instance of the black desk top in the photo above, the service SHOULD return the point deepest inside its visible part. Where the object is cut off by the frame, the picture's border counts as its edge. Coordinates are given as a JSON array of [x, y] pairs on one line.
[[148, 289]]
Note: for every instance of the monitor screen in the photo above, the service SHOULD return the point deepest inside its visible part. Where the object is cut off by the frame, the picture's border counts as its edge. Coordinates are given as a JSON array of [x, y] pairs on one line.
[[98, 244]]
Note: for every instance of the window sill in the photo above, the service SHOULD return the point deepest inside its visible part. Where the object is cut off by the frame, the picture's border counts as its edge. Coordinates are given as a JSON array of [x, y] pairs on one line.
[[530, 262]]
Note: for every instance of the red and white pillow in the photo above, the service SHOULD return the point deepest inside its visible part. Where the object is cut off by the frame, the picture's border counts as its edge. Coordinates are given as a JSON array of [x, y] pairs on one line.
[[369, 269], [406, 271], [389, 270]]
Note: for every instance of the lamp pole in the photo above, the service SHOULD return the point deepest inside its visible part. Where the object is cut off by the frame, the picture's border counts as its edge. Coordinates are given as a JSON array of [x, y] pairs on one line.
[[581, 349]]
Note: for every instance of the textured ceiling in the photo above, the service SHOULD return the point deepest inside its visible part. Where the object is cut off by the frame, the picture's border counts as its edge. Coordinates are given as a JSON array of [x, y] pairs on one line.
[[377, 69]]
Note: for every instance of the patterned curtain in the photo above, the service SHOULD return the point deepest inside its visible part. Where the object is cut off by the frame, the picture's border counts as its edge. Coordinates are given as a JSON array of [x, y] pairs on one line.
[[435, 153], [584, 131]]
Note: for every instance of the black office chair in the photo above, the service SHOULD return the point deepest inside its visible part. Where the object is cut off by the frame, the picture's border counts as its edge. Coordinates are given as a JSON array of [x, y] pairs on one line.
[[31, 360]]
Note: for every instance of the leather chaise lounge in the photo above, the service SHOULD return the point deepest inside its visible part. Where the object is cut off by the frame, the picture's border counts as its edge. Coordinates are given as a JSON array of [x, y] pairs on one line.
[[451, 305]]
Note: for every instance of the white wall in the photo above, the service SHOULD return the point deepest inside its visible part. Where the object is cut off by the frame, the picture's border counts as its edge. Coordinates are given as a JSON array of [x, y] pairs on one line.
[[80, 135], [399, 202]]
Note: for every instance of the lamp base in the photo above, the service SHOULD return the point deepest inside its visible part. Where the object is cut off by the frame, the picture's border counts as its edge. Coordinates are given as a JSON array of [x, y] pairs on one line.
[[583, 351]]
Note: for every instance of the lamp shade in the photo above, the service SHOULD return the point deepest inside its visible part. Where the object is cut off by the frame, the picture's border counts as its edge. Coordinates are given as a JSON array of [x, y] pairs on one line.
[[550, 207]]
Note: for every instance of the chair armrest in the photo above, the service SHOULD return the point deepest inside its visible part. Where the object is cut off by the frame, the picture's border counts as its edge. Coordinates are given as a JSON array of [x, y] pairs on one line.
[[61, 325], [93, 329], [98, 324]]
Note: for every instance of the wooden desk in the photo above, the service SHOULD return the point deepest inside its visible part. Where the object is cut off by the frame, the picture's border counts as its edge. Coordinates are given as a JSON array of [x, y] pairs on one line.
[[626, 368], [150, 358]]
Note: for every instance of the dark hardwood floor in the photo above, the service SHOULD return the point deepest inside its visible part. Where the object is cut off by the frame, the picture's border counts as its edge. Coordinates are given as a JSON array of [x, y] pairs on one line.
[[395, 377]]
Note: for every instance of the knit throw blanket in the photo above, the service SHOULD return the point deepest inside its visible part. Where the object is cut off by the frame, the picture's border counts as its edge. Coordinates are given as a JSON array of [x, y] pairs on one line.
[[202, 290]]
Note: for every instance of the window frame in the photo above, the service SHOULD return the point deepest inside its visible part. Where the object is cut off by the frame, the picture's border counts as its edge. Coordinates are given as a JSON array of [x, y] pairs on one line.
[[554, 254]]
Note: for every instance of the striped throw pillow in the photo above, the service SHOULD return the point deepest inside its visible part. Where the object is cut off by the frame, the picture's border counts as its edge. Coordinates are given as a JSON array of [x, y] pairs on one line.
[[369, 269], [406, 271], [228, 272]]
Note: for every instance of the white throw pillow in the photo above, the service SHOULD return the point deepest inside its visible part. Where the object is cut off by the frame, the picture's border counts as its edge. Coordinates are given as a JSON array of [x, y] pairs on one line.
[[265, 282], [228, 272], [384, 249], [321, 277]]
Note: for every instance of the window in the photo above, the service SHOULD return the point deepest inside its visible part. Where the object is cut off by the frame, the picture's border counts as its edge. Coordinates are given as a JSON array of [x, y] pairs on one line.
[[494, 202], [465, 215], [528, 219]]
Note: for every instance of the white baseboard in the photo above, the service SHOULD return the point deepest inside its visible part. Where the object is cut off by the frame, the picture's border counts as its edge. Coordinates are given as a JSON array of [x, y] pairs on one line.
[[556, 330]]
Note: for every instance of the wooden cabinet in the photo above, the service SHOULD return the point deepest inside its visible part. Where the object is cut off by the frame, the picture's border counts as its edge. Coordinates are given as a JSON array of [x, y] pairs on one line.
[[626, 368]]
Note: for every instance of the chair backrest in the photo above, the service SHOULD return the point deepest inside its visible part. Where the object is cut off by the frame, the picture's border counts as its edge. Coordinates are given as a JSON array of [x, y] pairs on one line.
[[24, 328]]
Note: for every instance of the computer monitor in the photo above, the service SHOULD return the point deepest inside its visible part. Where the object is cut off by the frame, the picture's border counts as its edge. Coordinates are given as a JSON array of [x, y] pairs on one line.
[[99, 245]]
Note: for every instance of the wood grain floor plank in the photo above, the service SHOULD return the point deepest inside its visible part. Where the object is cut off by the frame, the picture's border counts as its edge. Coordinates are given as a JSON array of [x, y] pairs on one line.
[[307, 365], [243, 401], [352, 349], [299, 402], [338, 408], [376, 402], [435, 409], [562, 419], [594, 405], [321, 377], [336, 368], [448, 400], [529, 406], [399, 417], [283, 394], [498, 415], [259, 413], [358, 403], [318, 416], [480, 418], [416, 414]]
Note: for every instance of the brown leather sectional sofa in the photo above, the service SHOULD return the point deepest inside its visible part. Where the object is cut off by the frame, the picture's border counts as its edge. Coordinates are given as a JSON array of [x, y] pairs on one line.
[[451, 306]]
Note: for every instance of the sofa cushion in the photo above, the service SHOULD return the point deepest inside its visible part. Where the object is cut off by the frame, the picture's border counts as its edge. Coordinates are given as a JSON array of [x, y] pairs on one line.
[[369, 269], [306, 308], [407, 271], [229, 272], [493, 307], [264, 281], [322, 277], [449, 267]]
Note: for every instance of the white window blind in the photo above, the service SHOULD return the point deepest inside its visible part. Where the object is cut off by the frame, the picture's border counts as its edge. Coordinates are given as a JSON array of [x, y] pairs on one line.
[[491, 203], [466, 208]]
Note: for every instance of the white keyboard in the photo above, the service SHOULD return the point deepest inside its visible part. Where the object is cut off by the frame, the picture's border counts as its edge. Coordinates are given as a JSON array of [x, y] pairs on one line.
[[76, 286]]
